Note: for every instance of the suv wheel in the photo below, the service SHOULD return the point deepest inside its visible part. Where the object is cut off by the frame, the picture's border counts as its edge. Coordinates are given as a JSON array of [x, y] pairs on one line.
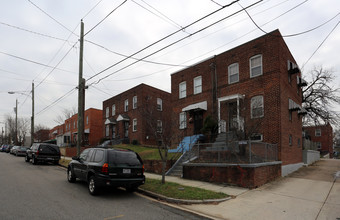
[[27, 159], [34, 161], [93, 190], [70, 176]]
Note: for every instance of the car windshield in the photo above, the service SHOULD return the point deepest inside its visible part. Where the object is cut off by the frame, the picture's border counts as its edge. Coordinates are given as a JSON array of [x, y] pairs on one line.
[[50, 149], [123, 157]]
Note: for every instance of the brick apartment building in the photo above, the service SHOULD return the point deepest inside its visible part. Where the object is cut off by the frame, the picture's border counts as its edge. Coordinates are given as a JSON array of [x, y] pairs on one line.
[[66, 134], [322, 135], [254, 88], [126, 115]]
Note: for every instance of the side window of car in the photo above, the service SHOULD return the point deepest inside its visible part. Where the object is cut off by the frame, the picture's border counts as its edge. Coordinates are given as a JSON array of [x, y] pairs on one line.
[[89, 155], [98, 156], [83, 155]]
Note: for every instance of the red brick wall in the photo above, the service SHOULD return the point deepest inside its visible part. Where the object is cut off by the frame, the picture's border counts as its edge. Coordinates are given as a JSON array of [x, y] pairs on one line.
[[273, 85], [146, 99], [249, 177], [326, 138], [155, 166]]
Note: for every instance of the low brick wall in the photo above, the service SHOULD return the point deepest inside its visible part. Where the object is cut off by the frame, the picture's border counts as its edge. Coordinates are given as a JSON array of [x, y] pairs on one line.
[[155, 166], [70, 151], [244, 175]]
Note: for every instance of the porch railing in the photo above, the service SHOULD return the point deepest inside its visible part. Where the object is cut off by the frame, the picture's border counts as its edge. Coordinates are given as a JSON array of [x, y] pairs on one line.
[[243, 152]]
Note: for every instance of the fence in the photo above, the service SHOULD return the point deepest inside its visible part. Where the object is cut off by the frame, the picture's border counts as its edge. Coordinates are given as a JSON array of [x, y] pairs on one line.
[[240, 152]]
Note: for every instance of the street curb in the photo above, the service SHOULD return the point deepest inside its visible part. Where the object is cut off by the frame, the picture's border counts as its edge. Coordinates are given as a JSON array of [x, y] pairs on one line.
[[181, 201]]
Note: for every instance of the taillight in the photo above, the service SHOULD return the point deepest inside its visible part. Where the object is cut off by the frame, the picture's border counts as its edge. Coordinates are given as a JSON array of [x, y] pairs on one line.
[[105, 168], [37, 153], [143, 169]]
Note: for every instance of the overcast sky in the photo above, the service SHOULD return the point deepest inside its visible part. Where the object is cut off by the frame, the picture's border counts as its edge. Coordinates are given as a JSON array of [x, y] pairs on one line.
[[39, 41]]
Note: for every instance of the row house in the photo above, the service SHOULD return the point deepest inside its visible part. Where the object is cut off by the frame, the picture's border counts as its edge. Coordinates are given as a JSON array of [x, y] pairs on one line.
[[253, 89], [66, 134], [128, 116], [322, 135]]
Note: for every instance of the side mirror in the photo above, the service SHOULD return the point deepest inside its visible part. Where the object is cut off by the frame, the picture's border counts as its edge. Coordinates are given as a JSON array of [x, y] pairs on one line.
[[75, 158]]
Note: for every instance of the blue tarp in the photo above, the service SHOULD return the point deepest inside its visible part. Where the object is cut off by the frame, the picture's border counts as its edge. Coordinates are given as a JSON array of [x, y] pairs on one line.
[[186, 143]]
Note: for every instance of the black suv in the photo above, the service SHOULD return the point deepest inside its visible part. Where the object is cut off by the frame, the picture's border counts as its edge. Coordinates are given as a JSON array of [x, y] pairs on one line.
[[43, 152], [101, 167]]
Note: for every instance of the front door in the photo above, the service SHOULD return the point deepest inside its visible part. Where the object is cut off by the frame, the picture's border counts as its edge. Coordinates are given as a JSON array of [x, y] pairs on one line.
[[232, 116], [198, 122], [126, 129], [113, 131]]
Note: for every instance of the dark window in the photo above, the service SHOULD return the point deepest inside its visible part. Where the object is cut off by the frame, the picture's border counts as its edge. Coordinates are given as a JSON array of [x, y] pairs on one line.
[[123, 157], [83, 155], [98, 156], [49, 149]]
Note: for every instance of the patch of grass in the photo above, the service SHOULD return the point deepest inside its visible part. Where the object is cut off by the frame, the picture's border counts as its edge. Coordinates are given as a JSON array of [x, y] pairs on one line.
[[147, 153], [64, 162], [177, 191]]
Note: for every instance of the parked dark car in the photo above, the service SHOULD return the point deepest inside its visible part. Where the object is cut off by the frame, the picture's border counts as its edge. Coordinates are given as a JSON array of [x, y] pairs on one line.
[[21, 151], [43, 152], [8, 149], [101, 167], [4, 148]]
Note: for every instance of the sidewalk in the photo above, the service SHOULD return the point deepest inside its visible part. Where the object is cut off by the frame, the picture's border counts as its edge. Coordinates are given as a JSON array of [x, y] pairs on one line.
[[312, 192]]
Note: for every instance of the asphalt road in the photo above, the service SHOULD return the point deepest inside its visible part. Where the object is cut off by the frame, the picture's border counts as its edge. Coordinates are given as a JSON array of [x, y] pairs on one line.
[[42, 192]]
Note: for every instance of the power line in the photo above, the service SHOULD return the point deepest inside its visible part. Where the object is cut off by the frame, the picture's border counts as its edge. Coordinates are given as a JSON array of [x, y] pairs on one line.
[[164, 18], [152, 44], [123, 55], [91, 9], [55, 66], [50, 16], [290, 35], [33, 32], [320, 44], [105, 17], [35, 62], [202, 29]]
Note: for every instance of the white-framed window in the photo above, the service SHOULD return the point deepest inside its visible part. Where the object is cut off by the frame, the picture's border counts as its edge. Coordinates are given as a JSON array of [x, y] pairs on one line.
[[257, 107], [317, 132], [107, 112], [182, 120], [255, 66], [113, 110], [159, 104], [233, 73], [198, 85], [87, 120], [126, 105], [134, 125], [134, 102], [159, 126], [107, 130], [182, 89]]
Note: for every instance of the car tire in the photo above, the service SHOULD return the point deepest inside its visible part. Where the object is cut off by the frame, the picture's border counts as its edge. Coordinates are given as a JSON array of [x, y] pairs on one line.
[[34, 161], [27, 159], [92, 186], [70, 175], [56, 162]]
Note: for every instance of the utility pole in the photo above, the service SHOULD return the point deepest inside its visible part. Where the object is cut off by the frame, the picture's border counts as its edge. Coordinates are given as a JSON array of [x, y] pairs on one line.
[[32, 118], [16, 122], [81, 93]]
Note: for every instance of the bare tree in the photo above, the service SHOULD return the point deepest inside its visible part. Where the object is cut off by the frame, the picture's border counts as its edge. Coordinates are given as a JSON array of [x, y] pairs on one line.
[[160, 127], [319, 97], [23, 126], [66, 113]]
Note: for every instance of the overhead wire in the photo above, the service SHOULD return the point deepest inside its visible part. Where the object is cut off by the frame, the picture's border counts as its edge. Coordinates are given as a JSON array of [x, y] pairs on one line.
[[164, 18], [290, 35], [320, 44], [91, 9], [177, 41], [105, 18], [123, 55], [32, 61], [162, 39]]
